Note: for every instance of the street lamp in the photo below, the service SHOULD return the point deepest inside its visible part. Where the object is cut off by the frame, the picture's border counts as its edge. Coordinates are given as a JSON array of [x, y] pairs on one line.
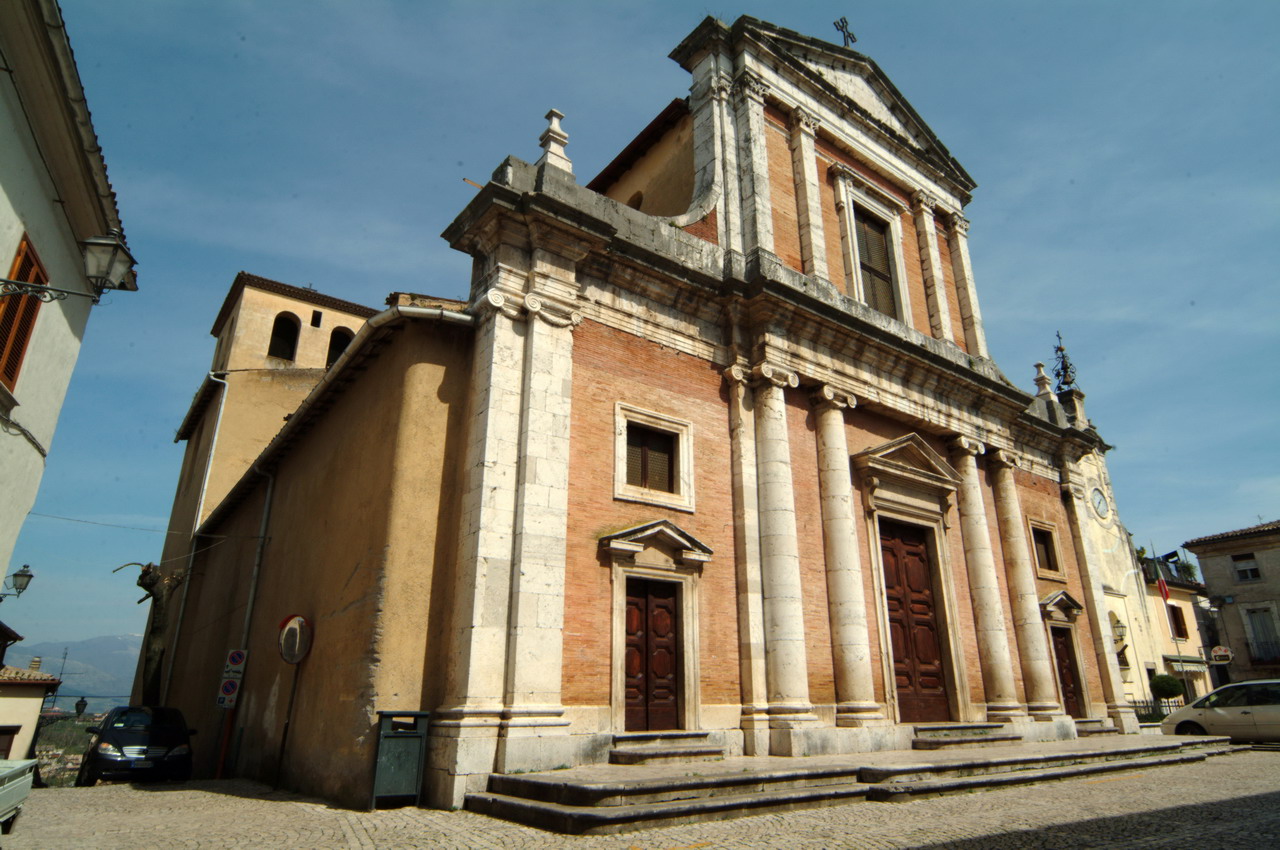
[[81, 705], [18, 582], [107, 265]]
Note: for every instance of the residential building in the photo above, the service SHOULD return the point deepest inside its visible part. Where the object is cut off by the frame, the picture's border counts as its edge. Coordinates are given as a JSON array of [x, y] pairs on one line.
[[54, 197], [22, 694], [714, 444], [1241, 572]]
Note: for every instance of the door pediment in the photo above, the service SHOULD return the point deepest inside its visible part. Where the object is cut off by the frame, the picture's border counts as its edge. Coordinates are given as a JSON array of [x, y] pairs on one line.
[[1060, 607], [906, 474], [661, 543]]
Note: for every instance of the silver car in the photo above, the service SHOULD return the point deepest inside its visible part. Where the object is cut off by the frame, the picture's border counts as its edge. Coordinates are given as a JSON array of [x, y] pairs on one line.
[[1247, 711]]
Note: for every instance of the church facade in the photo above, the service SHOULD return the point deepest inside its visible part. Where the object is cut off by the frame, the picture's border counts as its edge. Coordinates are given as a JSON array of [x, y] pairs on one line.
[[715, 443]]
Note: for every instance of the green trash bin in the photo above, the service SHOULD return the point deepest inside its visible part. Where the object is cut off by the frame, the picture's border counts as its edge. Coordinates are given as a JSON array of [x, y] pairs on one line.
[[401, 759]]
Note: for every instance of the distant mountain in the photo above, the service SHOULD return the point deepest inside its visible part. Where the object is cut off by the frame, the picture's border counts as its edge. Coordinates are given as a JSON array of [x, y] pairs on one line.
[[97, 667]]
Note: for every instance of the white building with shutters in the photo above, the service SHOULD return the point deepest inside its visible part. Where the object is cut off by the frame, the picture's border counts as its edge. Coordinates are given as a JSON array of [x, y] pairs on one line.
[[54, 194]]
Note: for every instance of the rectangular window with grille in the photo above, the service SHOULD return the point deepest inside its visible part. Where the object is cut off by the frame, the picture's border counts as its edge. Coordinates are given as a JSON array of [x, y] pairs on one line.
[[18, 314]]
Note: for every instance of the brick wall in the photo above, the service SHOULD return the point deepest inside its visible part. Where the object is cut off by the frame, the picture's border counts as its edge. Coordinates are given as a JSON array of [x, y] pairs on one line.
[[612, 366]]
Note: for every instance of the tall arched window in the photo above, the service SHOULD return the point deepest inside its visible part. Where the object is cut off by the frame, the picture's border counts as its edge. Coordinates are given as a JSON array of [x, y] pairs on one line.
[[284, 337], [338, 342]]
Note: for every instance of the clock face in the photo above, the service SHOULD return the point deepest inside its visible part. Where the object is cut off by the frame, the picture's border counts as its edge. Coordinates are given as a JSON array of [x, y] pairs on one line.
[[1099, 501]]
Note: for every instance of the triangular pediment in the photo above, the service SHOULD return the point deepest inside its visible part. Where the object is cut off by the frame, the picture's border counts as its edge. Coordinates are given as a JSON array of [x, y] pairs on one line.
[[1061, 602], [661, 537], [858, 83], [908, 457]]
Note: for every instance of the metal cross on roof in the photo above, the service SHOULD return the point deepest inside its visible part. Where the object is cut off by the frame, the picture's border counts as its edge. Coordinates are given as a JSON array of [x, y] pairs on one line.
[[1064, 370], [842, 27]]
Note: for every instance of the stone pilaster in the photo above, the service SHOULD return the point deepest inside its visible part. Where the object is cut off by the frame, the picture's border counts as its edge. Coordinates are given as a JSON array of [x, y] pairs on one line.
[[935, 283], [984, 587], [1118, 708], [975, 336], [848, 231], [1028, 623], [850, 640], [785, 659], [746, 538], [753, 182], [804, 162], [469, 716]]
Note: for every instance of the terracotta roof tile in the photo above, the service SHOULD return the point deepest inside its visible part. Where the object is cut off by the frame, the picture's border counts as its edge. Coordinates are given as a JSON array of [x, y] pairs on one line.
[[1251, 531], [22, 674]]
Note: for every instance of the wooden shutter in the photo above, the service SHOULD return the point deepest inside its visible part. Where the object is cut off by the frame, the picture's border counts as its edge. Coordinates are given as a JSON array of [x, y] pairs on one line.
[[18, 314], [873, 257], [650, 458], [1044, 549], [1179, 623]]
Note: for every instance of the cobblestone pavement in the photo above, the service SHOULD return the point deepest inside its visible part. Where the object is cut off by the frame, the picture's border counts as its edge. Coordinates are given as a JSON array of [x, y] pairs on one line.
[[1229, 801]]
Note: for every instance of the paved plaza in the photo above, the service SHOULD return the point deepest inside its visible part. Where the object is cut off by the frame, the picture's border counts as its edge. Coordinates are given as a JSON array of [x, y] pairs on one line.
[[1229, 801]]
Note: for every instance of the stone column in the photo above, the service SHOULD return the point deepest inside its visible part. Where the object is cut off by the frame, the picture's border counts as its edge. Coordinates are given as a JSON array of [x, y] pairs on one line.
[[804, 163], [935, 282], [975, 337], [785, 659], [1118, 708], [850, 641], [1028, 623], [757, 206], [746, 538], [984, 588]]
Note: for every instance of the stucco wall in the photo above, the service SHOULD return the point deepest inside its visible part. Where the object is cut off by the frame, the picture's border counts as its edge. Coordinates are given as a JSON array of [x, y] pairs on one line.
[[664, 174], [20, 706], [336, 556]]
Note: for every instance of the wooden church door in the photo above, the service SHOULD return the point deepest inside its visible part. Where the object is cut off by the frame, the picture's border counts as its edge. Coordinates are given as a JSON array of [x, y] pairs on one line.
[[913, 624], [652, 658], [1068, 677]]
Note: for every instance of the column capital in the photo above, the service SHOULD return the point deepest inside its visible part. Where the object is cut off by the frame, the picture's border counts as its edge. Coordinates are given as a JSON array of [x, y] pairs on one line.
[[721, 86], [737, 374], [967, 446], [494, 301], [958, 224], [1074, 492], [828, 397], [771, 373], [748, 86], [1005, 459], [804, 120], [552, 312], [923, 202]]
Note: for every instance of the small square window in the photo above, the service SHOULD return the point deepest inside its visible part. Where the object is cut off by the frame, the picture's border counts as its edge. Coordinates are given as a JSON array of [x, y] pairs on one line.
[[1046, 556], [316, 316], [1246, 567], [653, 458]]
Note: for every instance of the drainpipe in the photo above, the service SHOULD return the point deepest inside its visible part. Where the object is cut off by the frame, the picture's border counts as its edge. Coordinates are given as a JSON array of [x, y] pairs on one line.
[[229, 725], [195, 527]]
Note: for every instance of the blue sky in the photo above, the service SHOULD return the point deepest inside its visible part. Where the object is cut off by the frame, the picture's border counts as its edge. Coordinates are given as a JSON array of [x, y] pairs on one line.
[[1128, 196]]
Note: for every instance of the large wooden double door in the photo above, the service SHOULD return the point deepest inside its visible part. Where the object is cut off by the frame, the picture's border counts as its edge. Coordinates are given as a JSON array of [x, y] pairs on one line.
[[652, 655], [913, 624]]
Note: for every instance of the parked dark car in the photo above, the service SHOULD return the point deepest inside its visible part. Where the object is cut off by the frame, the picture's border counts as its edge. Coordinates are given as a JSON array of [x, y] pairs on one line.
[[138, 743]]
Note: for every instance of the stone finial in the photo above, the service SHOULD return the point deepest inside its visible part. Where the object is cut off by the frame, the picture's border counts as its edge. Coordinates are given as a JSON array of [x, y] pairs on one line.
[[1042, 382], [553, 140]]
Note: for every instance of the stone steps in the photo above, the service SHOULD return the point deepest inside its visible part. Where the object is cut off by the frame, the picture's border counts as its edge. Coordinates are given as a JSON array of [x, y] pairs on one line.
[[897, 791], [577, 820], [612, 800], [663, 748], [1086, 728], [962, 736]]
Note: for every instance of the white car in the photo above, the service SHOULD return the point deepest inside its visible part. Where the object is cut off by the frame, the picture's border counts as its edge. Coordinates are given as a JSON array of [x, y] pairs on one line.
[[1247, 711]]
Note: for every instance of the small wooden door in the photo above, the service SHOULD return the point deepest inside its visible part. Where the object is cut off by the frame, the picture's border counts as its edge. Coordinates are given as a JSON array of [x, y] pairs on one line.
[[913, 624], [1068, 676], [652, 657]]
